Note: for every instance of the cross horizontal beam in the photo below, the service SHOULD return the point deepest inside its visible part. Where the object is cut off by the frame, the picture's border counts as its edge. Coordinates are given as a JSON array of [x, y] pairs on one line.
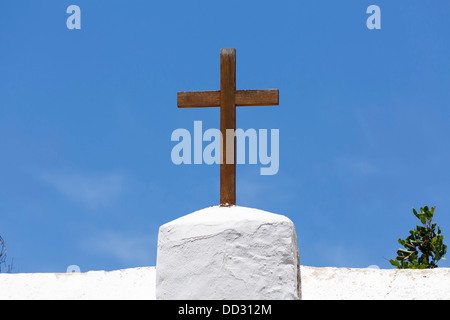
[[228, 98], [244, 98]]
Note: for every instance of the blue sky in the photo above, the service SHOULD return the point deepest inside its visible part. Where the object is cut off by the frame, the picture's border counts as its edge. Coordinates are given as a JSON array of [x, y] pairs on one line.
[[86, 117]]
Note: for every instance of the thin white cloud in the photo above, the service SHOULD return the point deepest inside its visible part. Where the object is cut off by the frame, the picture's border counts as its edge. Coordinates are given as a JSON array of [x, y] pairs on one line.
[[251, 190], [365, 129], [356, 166], [90, 191], [255, 189], [129, 249], [341, 255]]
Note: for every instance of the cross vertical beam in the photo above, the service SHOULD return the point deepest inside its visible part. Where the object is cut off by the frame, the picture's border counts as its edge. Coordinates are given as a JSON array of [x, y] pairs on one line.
[[228, 98], [228, 122]]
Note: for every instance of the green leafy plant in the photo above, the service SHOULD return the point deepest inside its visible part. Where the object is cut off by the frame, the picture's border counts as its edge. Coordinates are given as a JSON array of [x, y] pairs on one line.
[[424, 247]]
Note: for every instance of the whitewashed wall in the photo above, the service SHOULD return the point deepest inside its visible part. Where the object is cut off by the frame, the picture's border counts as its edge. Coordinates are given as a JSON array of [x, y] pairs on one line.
[[317, 283], [383, 284], [137, 284]]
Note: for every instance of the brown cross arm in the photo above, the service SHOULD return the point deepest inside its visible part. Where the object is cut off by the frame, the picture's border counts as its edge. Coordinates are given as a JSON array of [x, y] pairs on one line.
[[244, 98]]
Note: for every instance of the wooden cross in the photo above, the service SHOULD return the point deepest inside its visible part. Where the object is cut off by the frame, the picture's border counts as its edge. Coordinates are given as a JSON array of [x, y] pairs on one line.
[[227, 99]]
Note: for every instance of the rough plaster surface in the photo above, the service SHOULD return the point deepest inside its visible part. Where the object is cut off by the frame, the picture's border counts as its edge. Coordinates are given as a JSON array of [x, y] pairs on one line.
[[228, 253], [373, 284], [137, 283]]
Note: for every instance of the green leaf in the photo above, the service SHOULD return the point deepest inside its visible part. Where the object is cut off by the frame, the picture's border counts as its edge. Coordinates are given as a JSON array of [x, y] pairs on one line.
[[394, 263]]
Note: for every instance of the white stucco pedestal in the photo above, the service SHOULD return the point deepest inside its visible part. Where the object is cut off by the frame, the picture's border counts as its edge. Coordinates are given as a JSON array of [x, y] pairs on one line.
[[228, 253]]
